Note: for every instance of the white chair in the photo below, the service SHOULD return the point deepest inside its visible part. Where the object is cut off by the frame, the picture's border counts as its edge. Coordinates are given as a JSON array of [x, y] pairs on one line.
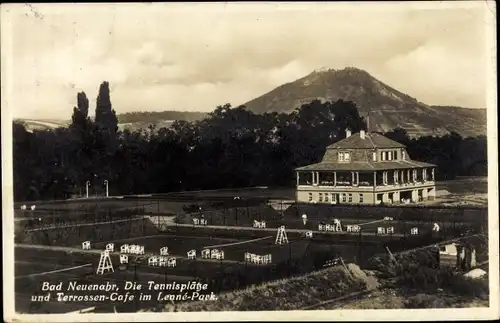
[[321, 227], [164, 251], [216, 254], [110, 247], [86, 245], [309, 234], [203, 222], [253, 258], [132, 249], [349, 228], [123, 259], [124, 248], [328, 227], [33, 207], [205, 253], [162, 262], [153, 261], [248, 256], [390, 230], [191, 254], [380, 230], [435, 228], [356, 228], [255, 224], [414, 231], [171, 262], [196, 221], [263, 224], [337, 226], [140, 250], [23, 207]]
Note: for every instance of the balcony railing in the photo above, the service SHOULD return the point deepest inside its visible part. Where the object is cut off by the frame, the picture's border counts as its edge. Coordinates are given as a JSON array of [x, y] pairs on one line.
[[345, 184]]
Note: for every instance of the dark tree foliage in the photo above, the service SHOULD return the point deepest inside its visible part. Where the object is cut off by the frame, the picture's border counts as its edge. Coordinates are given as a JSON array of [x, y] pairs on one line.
[[231, 147], [105, 116]]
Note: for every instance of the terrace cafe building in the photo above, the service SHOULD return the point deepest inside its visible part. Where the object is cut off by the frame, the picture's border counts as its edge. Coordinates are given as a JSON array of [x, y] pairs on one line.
[[366, 168]]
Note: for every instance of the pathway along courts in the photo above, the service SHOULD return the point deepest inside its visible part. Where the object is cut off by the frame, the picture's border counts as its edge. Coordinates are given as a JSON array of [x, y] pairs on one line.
[[240, 228]]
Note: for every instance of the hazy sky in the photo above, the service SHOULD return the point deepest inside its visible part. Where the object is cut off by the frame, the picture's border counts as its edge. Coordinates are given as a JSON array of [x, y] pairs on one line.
[[195, 57]]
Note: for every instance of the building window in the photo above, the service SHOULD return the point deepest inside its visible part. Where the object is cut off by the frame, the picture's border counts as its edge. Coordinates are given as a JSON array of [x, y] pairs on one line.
[[383, 156], [403, 155], [334, 198], [360, 198], [326, 197], [320, 197], [343, 197], [389, 155], [344, 157], [310, 197], [414, 175], [396, 177], [395, 155], [350, 198], [384, 177], [374, 156]]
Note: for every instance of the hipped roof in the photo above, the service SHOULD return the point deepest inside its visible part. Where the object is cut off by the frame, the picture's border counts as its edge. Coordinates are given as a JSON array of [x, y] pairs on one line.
[[371, 140]]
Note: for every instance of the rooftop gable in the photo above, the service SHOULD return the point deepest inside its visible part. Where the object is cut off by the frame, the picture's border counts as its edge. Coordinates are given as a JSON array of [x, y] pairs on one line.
[[371, 140]]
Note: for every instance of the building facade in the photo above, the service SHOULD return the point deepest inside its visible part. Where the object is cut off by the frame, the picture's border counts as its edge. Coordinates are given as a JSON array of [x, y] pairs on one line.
[[366, 168]]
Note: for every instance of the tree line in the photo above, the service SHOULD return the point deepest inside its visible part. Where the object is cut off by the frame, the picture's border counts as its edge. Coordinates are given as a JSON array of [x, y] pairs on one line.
[[154, 116], [231, 147]]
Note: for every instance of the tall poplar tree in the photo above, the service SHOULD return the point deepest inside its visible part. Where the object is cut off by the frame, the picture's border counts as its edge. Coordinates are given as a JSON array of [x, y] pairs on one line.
[[105, 116]]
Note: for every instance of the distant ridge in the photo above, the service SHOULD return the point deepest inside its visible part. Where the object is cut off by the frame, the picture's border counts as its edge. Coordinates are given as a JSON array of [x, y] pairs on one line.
[[389, 107]]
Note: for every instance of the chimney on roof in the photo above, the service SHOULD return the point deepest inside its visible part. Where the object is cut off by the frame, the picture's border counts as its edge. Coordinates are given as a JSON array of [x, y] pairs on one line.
[[362, 134], [347, 133]]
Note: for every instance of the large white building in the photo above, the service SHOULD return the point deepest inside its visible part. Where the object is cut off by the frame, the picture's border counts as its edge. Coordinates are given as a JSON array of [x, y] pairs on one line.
[[366, 168]]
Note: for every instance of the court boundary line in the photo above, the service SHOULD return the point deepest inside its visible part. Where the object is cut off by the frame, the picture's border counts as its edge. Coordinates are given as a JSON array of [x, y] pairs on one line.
[[53, 271], [65, 226], [237, 243]]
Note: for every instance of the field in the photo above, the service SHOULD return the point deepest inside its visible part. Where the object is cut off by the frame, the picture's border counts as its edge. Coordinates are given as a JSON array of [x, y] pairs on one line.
[[464, 191], [299, 256], [50, 254], [319, 214]]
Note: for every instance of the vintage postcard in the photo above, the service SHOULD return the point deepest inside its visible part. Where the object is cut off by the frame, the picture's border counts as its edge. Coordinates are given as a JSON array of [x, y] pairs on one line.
[[227, 161]]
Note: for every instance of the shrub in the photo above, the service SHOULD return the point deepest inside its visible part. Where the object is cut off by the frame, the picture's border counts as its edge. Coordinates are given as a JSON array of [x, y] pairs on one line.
[[284, 294]]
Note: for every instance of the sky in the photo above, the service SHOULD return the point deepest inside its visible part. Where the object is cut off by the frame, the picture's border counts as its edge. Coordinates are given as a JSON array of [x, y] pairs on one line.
[[194, 57]]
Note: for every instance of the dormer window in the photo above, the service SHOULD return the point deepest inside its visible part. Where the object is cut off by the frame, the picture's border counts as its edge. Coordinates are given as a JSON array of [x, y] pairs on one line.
[[374, 156], [403, 155], [344, 157]]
